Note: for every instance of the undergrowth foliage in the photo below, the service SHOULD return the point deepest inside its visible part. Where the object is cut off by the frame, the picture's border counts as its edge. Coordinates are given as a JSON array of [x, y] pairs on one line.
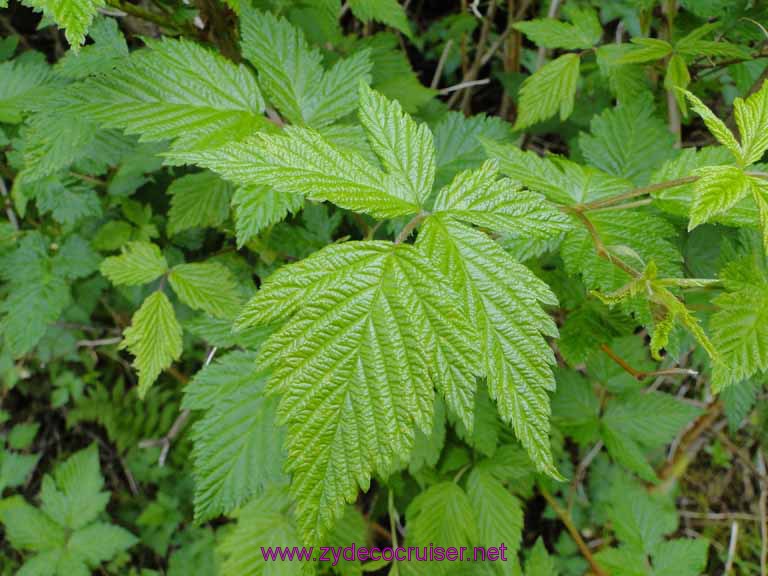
[[385, 321]]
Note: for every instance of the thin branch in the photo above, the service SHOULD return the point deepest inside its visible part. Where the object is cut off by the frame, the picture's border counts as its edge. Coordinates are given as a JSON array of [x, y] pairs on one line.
[[159, 19], [600, 248], [718, 516], [641, 191], [566, 519], [642, 375], [732, 548], [465, 84], [410, 227], [541, 55], [441, 64], [98, 342], [176, 428]]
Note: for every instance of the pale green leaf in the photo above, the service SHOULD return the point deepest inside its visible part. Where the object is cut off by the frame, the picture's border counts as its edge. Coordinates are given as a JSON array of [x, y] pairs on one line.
[[175, 89], [716, 126], [683, 557], [540, 563], [404, 147], [738, 399], [716, 191], [139, 263], [550, 90], [27, 528], [503, 299], [15, 468], [752, 119], [154, 338], [677, 78], [197, 200], [21, 81], [480, 197], [640, 519], [370, 326], [108, 48], [206, 286]]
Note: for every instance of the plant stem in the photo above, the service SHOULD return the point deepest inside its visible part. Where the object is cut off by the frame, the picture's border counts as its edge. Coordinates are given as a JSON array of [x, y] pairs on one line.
[[600, 248], [566, 519], [641, 375], [410, 227], [149, 16], [641, 191], [8, 206], [392, 511]]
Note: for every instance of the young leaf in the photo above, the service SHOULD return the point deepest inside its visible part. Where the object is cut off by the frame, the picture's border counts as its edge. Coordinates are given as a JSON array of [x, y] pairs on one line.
[[717, 190], [369, 325], [549, 90], [752, 119], [207, 286], [139, 263], [154, 338], [480, 197], [257, 207], [584, 33], [648, 50], [498, 514], [504, 298], [442, 513], [404, 147], [716, 126]]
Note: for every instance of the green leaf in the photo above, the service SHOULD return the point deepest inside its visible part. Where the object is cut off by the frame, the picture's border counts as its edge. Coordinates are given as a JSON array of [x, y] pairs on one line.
[[292, 74], [388, 12], [442, 513], [195, 95], [752, 119], [20, 82], [716, 126], [22, 435], [498, 514], [683, 557], [640, 519], [647, 50], [738, 400], [404, 147], [74, 16], [369, 327], [549, 90], [264, 522], [73, 496], [154, 338], [100, 542], [257, 207], [27, 528], [628, 141], [575, 407], [540, 563], [551, 33], [238, 449], [458, 142], [504, 300], [206, 286], [139, 263], [740, 334], [481, 198], [716, 191], [301, 162], [197, 200], [15, 468], [108, 48], [677, 77]]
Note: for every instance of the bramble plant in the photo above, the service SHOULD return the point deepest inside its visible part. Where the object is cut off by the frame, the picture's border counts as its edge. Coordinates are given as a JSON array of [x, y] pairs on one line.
[[255, 269]]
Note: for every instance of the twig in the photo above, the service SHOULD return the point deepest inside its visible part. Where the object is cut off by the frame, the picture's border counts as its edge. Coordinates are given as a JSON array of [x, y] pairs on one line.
[[686, 447], [8, 206], [141, 13], [441, 64], [719, 516], [565, 518], [98, 342], [465, 84], [641, 191], [176, 428], [600, 248], [732, 548], [581, 471], [541, 55], [408, 228], [641, 375]]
